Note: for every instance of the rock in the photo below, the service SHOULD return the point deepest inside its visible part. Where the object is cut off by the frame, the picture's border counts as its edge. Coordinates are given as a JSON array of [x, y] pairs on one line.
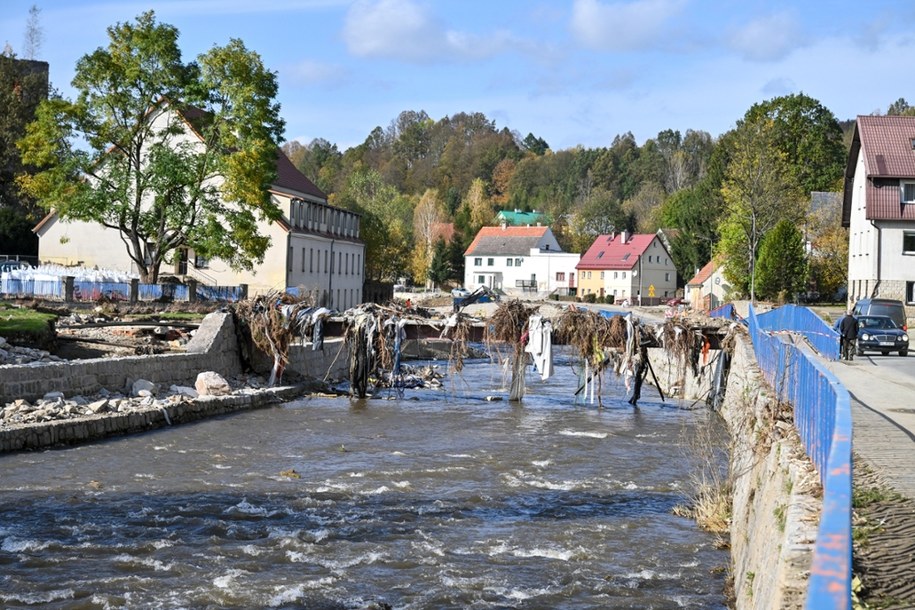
[[144, 394], [99, 406], [183, 390], [210, 383], [142, 385], [21, 402], [53, 396]]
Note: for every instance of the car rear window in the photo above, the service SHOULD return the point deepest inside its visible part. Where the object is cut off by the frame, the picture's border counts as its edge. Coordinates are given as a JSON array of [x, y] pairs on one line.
[[886, 310]]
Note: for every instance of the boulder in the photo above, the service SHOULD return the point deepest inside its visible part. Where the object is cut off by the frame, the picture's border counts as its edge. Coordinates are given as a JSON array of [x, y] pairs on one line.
[[99, 406], [148, 388], [183, 390], [53, 396], [210, 383]]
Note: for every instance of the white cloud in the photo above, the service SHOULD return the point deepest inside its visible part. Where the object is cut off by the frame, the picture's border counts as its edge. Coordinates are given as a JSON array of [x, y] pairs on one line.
[[769, 38], [406, 30], [623, 26]]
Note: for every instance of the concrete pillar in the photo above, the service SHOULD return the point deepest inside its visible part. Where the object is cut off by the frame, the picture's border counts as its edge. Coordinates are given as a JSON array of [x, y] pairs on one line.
[[134, 291], [68, 288], [191, 290]]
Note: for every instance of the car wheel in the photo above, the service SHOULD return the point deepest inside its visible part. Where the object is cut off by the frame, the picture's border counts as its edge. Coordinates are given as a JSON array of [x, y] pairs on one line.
[[903, 352]]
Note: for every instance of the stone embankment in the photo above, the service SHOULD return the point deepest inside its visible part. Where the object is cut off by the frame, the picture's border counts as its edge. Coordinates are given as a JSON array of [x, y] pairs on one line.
[[46, 403]]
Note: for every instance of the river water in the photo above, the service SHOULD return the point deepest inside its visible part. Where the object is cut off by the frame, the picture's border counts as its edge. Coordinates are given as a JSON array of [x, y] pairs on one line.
[[439, 499]]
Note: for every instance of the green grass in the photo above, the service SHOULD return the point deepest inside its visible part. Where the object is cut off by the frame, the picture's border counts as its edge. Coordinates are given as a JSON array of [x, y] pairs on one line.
[[17, 322]]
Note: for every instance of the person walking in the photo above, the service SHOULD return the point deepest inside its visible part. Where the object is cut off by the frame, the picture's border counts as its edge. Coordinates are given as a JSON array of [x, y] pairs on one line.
[[848, 331]]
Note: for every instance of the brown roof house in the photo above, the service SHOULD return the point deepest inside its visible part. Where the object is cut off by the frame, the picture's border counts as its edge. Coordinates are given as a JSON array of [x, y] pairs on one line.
[[315, 246], [878, 207], [708, 289]]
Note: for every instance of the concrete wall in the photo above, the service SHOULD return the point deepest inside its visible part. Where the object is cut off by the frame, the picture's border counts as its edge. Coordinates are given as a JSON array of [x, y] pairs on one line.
[[776, 493], [213, 348]]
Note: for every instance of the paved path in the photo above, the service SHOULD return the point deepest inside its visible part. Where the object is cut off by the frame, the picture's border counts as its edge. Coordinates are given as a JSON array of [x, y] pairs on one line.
[[883, 416]]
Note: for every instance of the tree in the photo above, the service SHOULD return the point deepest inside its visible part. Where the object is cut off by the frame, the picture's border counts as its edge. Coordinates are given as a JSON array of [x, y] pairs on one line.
[[758, 191], [139, 173], [535, 145], [440, 270], [385, 226], [16, 236], [427, 216], [829, 261], [809, 136], [782, 262], [34, 35], [900, 108]]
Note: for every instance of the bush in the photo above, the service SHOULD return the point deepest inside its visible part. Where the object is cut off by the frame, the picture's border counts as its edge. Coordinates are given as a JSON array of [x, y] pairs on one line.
[[590, 298]]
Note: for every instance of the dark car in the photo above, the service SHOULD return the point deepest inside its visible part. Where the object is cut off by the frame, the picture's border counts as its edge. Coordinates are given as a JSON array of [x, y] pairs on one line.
[[883, 307], [881, 334]]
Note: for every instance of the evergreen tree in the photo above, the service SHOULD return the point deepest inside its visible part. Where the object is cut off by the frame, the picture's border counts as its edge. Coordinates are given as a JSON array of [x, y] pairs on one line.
[[440, 269], [782, 268]]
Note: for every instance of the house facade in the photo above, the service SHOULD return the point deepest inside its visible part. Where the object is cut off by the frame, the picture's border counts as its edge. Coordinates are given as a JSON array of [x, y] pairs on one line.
[[637, 268], [314, 246], [517, 260], [878, 207], [708, 289]]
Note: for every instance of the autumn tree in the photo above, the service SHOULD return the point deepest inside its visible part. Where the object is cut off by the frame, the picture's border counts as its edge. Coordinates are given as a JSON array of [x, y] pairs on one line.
[[758, 191], [782, 263], [427, 216], [385, 226], [119, 155]]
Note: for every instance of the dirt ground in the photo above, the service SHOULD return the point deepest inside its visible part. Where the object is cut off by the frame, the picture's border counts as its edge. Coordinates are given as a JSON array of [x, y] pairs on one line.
[[884, 542]]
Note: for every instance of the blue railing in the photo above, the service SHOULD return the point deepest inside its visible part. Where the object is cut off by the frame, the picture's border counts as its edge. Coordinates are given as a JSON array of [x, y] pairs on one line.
[[803, 321], [725, 311], [822, 415]]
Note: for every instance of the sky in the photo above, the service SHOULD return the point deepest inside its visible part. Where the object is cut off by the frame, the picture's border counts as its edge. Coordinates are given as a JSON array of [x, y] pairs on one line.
[[573, 72]]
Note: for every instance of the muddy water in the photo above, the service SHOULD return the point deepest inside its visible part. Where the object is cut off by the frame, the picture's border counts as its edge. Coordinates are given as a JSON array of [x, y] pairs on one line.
[[438, 499]]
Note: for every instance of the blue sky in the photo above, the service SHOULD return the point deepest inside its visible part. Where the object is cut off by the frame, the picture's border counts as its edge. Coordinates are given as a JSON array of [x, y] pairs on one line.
[[574, 72]]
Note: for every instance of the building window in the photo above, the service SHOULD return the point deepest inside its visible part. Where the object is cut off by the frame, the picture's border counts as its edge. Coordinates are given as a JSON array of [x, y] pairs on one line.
[[907, 191], [589, 275], [910, 293], [481, 279], [477, 262], [560, 276], [289, 259], [509, 261], [490, 262], [346, 264], [908, 242], [616, 275], [326, 257], [601, 275], [303, 260], [201, 262], [666, 279], [517, 262], [311, 260], [624, 275]]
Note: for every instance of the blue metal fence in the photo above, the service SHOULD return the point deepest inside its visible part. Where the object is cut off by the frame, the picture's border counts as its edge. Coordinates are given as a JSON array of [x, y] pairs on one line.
[[725, 311], [99, 291], [822, 415], [803, 321]]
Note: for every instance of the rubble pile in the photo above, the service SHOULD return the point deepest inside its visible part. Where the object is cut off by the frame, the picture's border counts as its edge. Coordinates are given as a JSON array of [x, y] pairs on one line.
[[18, 355], [141, 395]]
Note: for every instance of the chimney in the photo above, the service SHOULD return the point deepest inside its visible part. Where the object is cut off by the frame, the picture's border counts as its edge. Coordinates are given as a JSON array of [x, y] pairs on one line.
[[504, 224], [624, 237]]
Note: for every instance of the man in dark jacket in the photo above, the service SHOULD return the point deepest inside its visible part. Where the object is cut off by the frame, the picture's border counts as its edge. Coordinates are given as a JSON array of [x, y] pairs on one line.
[[848, 329]]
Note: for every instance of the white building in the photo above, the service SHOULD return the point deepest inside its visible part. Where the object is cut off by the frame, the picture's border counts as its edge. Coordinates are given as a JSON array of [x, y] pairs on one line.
[[519, 260], [878, 207], [314, 245]]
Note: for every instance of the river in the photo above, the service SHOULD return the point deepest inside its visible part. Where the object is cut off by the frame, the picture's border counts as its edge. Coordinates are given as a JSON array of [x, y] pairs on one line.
[[438, 499]]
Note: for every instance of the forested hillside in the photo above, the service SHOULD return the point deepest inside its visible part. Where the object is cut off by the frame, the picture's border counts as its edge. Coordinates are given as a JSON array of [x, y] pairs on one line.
[[722, 193]]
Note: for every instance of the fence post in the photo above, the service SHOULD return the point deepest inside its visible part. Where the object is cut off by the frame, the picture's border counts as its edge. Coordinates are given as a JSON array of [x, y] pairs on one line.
[[68, 288], [243, 292], [134, 291], [191, 290]]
